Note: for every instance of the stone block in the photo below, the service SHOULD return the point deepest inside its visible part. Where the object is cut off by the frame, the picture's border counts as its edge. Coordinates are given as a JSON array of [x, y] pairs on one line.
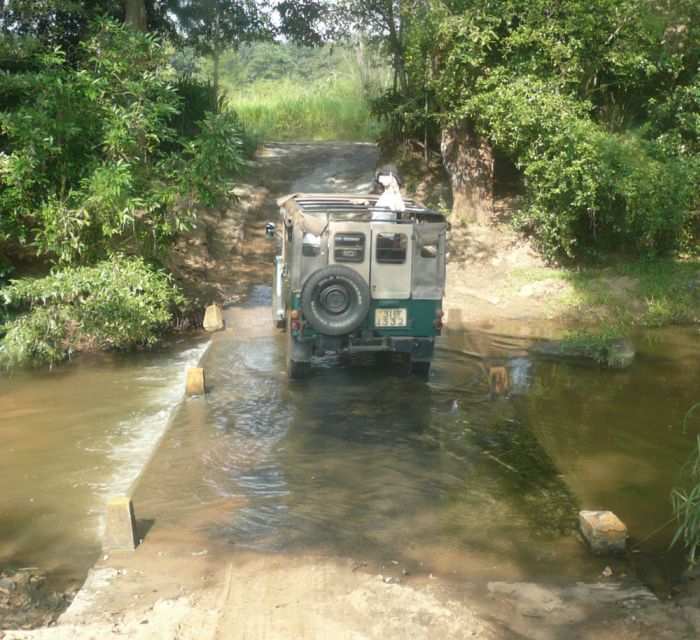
[[603, 530], [213, 318], [120, 524], [498, 380], [195, 382], [454, 321]]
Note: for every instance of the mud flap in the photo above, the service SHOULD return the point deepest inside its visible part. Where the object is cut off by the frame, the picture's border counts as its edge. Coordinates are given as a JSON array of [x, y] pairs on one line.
[[419, 349], [299, 351]]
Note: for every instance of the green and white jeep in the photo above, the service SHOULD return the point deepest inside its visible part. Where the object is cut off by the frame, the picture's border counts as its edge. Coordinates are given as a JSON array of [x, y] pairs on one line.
[[354, 276]]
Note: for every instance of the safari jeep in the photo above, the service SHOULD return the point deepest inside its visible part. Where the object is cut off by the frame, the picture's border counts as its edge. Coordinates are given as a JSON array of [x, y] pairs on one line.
[[352, 276]]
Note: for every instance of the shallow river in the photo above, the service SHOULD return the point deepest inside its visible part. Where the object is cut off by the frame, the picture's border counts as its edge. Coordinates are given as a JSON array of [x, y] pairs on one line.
[[437, 476]]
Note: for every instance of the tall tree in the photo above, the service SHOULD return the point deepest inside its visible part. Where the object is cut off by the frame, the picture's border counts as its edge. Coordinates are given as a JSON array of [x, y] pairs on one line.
[[65, 23], [135, 14], [211, 26], [386, 21], [575, 94]]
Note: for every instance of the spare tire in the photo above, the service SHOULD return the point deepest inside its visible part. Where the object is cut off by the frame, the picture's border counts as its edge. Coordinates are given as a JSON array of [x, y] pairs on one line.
[[335, 300]]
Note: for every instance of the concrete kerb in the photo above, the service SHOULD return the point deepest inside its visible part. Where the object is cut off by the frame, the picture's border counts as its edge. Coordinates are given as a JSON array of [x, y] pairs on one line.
[[120, 520], [195, 385], [120, 524]]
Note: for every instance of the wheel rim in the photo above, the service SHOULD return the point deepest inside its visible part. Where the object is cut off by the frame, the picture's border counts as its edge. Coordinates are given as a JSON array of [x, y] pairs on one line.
[[335, 299]]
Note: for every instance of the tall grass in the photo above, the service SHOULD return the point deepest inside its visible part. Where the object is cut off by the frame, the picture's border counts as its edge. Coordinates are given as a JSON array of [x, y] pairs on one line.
[[292, 109], [686, 501]]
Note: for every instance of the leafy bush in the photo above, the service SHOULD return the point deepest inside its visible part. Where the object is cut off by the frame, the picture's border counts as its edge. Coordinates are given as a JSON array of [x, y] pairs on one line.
[[404, 118], [97, 157], [196, 100], [586, 186], [215, 156], [116, 304], [596, 103]]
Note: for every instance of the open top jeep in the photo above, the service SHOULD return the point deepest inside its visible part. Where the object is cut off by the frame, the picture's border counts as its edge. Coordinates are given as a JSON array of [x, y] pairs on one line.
[[354, 276]]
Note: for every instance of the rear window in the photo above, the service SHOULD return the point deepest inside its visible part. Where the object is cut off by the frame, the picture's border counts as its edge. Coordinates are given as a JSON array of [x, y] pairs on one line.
[[429, 250], [349, 247], [391, 248]]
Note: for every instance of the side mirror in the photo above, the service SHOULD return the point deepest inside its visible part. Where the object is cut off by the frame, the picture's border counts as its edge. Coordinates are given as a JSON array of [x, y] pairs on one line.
[[270, 230]]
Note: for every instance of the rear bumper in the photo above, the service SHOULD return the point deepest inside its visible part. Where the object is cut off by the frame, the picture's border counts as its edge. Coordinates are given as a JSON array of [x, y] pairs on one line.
[[418, 348]]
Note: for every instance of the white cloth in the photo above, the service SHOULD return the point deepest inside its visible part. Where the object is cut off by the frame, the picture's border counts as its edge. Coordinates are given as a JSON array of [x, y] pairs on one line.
[[391, 198]]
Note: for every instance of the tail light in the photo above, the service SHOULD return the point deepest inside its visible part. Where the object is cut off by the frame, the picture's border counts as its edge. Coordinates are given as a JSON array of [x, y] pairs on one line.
[[437, 323]]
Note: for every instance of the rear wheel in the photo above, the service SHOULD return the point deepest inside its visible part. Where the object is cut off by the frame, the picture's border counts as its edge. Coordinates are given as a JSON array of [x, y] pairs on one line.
[[416, 367], [296, 369], [384, 358], [420, 368]]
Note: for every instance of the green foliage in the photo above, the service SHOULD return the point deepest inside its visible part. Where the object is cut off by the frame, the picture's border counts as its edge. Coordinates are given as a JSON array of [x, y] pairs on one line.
[[287, 92], [290, 110], [216, 155], [196, 100], [211, 26], [280, 61], [676, 121], [117, 304], [598, 344], [596, 103], [404, 118], [586, 186], [97, 159]]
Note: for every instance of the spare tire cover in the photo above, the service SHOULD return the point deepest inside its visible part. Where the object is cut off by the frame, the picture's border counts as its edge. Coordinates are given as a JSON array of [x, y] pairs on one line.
[[335, 300]]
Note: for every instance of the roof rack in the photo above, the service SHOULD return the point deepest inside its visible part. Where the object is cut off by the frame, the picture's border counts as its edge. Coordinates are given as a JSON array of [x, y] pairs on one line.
[[354, 205]]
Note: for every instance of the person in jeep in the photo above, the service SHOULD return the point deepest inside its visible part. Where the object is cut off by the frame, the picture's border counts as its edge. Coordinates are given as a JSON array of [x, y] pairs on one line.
[[359, 273]]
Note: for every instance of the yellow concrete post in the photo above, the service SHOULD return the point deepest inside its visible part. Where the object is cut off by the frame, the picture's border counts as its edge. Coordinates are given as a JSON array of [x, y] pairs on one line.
[[453, 322], [120, 524], [213, 318], [195, 382]]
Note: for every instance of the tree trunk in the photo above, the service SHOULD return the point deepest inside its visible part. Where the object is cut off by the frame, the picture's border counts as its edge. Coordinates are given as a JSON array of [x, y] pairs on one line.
[[136, 15], [215, 88], [468, 158]]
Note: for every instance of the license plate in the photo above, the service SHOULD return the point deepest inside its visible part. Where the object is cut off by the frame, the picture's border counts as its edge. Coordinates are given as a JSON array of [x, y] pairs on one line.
[[390, 317]]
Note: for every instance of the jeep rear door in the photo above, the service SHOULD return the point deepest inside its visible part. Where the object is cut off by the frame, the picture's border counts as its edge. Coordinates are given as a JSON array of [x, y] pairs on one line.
[[390, 266]]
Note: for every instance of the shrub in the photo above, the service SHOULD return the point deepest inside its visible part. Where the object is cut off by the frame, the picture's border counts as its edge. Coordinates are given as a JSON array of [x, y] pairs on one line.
[[586, 186], [214, 157], [117, 304], [597, 104], [98, 159]]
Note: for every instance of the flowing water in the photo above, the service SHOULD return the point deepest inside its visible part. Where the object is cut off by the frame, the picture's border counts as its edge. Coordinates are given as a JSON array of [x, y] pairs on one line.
[[438, 476], [70, 438]]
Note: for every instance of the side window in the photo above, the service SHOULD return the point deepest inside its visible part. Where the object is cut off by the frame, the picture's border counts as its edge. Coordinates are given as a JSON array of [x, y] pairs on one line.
[[310, 245], [391, 248], [349, 247]]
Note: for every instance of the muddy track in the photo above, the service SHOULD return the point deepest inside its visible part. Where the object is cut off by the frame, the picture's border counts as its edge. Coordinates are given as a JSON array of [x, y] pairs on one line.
[[227, 252]]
